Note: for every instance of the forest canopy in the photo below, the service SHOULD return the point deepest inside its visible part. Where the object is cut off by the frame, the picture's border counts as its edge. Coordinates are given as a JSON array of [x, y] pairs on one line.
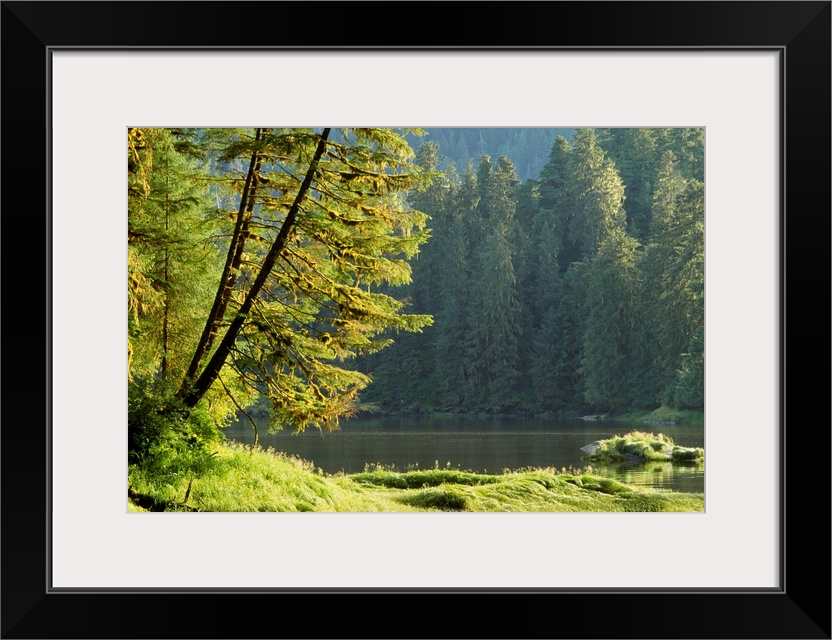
[[256, 259], [307, 273], [579, 290]]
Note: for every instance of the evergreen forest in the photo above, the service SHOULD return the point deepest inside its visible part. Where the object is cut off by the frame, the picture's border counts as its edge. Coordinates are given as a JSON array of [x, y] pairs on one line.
[[310, 274], [579, 290]]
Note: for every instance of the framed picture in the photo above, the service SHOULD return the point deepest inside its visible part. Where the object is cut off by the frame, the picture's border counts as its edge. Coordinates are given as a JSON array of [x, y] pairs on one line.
[[755, 75]]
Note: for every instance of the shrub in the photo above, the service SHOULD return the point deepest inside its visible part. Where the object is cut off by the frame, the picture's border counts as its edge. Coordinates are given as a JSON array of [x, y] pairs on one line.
[[442, 497], [165, 436], [687, 453], [643, 446]]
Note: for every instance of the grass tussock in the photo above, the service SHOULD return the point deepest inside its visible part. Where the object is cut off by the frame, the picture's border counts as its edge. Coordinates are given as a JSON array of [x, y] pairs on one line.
[[442, 498], [420, 479], [641, 446], [688, 453], [241, 478]]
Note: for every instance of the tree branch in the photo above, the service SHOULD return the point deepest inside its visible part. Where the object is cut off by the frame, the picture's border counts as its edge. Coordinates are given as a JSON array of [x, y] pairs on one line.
[[192, 395], [227, 278], [244, 412]]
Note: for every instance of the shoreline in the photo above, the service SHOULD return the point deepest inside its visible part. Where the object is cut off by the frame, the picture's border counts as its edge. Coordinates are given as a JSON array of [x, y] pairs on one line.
[[660, 416]]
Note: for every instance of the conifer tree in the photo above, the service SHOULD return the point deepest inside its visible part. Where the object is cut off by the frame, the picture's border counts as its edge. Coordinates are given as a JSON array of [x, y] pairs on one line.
[[452, 319], [674, 277], [636, 154], [555, 209], [688, 145], [406, 373], [558, 342], [525, 234], [171, 258], [612, 323], [493, 343], [452, 328], [597, 204], [320, 222]]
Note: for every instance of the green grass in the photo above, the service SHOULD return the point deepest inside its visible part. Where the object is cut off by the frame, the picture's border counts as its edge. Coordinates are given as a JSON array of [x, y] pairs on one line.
[[641, 446], [239, 478]]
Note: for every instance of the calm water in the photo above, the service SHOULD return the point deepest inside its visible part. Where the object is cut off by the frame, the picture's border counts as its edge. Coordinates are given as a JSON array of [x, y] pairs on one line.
[[478, 444]]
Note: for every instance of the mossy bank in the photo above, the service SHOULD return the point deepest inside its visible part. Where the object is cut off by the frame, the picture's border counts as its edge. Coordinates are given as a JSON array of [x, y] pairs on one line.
[[239, 478]]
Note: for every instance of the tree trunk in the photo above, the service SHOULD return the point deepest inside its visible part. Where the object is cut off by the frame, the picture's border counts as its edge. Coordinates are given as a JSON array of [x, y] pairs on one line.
[[232, 262], [191, 395]]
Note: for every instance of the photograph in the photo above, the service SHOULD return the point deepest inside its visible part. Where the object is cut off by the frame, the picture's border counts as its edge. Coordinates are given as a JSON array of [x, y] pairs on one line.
[[415, 314], [416, 319]]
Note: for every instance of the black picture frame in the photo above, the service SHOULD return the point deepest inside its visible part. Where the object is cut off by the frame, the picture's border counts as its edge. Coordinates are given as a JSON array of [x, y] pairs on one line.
[[800, 608]]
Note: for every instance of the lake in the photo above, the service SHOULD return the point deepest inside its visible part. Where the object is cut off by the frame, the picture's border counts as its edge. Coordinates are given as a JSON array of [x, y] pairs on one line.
[[482, 445]]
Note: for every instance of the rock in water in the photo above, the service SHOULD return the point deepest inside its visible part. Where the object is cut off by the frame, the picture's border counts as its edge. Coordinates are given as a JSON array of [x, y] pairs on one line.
[[591, 448]]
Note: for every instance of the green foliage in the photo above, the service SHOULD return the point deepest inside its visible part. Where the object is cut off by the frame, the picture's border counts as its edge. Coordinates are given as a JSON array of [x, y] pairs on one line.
[[688, 145], [245, 479], [443, 498], [250, 479], [166, 438], [597, 483], [643, 446], [596, 207], [527, 147], [492, 345], [674, 288], [421, 479], [244, 285], [319, 309], [550, 296], [612, 324], [558, 341], [453, 285], [689, 390], [545, 296], [636, 153], [172, 262], [258, 262], [687, 453]]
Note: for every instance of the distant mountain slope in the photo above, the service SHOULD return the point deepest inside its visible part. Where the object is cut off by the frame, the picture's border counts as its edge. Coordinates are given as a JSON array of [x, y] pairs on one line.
[[527, 147]]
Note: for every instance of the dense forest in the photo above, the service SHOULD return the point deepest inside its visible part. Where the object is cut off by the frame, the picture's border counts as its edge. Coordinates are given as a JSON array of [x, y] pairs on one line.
[[582, 289], [306, 273]]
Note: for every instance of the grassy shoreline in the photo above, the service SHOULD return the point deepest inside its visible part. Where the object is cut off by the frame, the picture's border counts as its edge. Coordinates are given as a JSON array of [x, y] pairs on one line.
[[239, 478]]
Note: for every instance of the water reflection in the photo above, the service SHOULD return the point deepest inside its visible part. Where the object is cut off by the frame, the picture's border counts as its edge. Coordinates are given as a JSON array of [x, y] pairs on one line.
[[674, 476], [483, 445]]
